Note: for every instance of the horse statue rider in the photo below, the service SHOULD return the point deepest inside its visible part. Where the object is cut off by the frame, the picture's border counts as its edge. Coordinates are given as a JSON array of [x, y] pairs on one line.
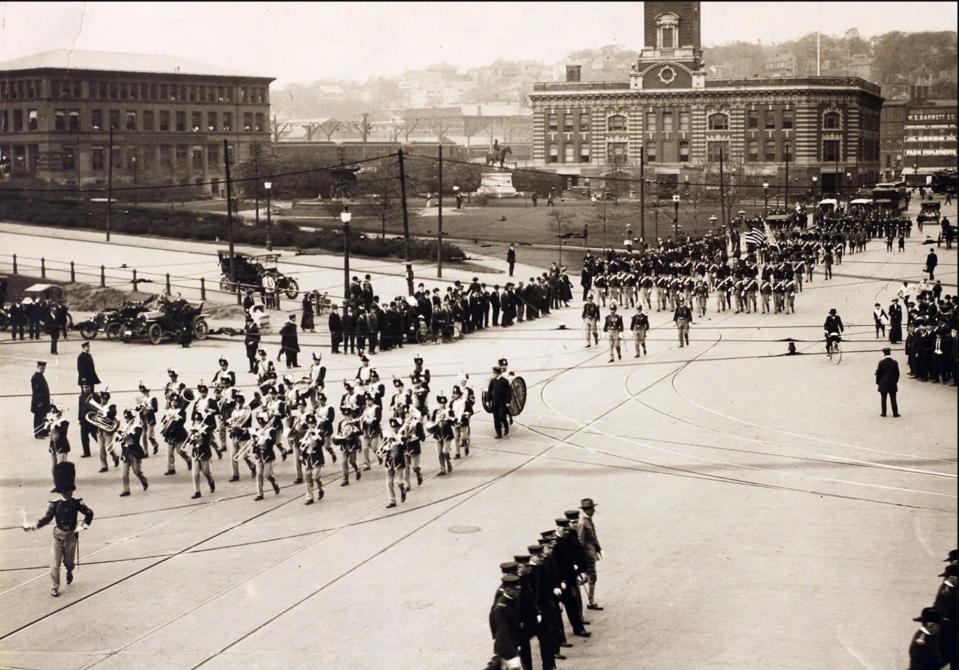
[[497, 154]]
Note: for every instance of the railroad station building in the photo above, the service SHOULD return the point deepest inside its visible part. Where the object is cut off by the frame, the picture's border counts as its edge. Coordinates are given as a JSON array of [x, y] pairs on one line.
[[169, 119], [676, 119]]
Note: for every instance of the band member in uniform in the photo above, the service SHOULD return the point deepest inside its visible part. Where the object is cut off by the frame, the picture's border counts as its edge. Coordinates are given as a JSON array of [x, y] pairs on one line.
[[312, 456], [87, 429], [100, 403], [325, 416], [591, 318], [147, 408], [59, 441], [205, 409], [461, 408], [199, 443], [413, 438], [65, 511], [614, 327], [173, 431], [241, 421], [391, 453], [441, 428], [264, 434], [371, 427], [347, 438], [130, 436], [639, 324]]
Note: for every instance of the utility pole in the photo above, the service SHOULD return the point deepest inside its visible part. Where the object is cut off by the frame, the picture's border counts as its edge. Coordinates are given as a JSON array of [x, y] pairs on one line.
[[439, 217], [136, 195], [229, 211], [642, 194], [722, 190], [256, 181], [109, 182], [676, 218], [406, 226]]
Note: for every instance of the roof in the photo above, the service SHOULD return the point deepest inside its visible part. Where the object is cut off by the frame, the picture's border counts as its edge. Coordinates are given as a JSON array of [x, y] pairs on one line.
[[114, 61]]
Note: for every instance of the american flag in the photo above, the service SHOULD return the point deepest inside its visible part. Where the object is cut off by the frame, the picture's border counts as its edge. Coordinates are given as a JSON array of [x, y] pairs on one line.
[[755, 236]]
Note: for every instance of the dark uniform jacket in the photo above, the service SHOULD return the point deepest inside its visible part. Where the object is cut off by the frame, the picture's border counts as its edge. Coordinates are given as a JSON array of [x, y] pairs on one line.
[[288, 338], [887, 375], [506, 628], [86, 370], [65, 512], [40, 399], [500, 392]]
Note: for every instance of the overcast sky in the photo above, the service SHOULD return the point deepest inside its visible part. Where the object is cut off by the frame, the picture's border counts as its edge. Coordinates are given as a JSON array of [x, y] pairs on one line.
[[309, 41]]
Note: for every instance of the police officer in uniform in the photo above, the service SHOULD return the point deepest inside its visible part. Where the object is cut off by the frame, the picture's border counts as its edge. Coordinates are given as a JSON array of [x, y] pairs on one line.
[[924, 649], [506, 626], [65, 510]]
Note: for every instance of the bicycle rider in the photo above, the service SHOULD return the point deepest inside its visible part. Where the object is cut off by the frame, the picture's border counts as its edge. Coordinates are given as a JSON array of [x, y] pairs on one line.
[[832, 329]]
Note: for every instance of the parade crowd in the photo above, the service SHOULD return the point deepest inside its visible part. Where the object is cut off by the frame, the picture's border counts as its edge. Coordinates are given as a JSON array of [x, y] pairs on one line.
[[933, 646]]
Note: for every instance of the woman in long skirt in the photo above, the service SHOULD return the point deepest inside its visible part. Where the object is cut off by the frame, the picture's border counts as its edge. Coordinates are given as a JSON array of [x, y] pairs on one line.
[[306, 320]]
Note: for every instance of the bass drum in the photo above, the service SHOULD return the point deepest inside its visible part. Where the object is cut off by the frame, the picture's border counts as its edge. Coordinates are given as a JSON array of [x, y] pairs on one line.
[[518, 402], [487, 403]]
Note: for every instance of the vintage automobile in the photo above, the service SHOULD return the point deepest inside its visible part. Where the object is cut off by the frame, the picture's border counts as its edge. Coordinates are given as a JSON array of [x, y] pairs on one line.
[[251, 270], [111, 321], [167, 321], [929, 213]]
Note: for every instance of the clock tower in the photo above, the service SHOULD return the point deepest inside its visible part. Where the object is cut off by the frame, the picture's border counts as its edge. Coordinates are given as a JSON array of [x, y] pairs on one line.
[[672, 55]]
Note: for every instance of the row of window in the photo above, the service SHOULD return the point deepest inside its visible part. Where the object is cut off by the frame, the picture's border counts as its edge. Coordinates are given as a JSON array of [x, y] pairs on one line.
[[24, 157], [769, 151], [668, 121], [132, 120], [32, 89]]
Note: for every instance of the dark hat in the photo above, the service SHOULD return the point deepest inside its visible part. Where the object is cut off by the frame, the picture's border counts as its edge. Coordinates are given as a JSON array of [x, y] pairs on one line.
[[223, 360], [64, 477], [548, 534], [509, 567], [951, 571], [887, 351], [562, 523], [503, 362], [546, 540], [929, 615], [521, 558], [417, 359], [511, 581], [442, 399], [572, 514], [534, 549], [42, 363], [953, 555], [364, 358], [587, 503], [497, 369], [202, 387]]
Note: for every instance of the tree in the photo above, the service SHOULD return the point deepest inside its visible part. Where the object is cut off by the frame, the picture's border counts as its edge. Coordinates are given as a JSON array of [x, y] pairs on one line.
[[278, 130], [560, 220]]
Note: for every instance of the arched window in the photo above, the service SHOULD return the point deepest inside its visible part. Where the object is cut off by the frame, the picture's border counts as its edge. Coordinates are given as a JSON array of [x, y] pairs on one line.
[[831, 121], [718, 122], [616, 123], [667, 31]]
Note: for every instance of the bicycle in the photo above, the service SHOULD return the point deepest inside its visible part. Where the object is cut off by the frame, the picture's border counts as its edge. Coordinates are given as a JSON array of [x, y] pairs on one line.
[[834, 348]]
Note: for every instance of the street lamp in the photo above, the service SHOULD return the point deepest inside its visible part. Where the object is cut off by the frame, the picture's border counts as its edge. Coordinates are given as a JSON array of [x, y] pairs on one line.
[[814, 180], [765, 200], [849, 178], [712, 222], [268, 185], [676, 218], [345, 217]]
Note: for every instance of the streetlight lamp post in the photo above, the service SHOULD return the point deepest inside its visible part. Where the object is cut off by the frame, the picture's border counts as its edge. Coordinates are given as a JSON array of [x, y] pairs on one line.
[[765, 200], [268, 186], [345, 217], [676, 218]]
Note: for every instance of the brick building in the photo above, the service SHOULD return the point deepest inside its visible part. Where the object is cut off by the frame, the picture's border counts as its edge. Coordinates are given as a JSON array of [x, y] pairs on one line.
[[680, 119], [169, 119], [918, 136]]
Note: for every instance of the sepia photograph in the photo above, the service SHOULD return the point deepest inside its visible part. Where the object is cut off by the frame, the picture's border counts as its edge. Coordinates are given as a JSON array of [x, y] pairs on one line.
[[478, 335]]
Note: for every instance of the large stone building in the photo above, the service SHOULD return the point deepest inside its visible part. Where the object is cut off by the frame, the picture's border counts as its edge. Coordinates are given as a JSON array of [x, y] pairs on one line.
[[169, 119], [680, 120], [918, 136]]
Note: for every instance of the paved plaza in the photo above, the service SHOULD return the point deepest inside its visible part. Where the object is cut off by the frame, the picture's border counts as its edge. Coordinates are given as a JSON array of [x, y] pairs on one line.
[[755, 511]]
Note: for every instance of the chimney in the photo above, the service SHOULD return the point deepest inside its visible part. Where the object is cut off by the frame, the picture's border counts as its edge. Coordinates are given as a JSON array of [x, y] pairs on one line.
[[573, 72]]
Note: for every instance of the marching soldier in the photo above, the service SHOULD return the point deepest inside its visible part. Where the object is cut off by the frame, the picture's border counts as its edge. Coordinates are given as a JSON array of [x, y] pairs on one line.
[[590, 318], [614, 327], [371, 427], [131, 443], [701, 292], [65, 511], [789, 287], [766, 291], [461, 408], [311, 446], [682, 317], [646, 283], [264, 436], [639, 324], [200, 440], [662, 283], [752, 288], [442, 431], [391, 453], [347, 439], [147, 408]]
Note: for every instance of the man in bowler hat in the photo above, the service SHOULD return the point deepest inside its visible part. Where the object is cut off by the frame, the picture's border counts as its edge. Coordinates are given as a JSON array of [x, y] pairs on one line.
[[887, 379], [594, 552]]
